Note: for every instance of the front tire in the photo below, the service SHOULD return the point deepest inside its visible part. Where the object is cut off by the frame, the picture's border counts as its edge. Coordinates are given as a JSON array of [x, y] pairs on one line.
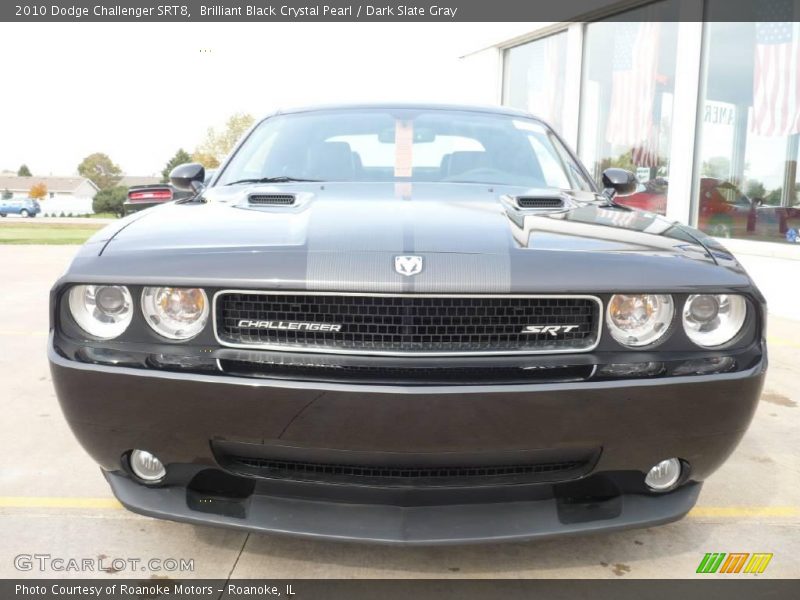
[[24, 213]]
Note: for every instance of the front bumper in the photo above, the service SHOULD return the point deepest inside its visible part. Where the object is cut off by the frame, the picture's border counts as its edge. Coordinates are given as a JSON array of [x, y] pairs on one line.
[[183, 418], [437, 524]]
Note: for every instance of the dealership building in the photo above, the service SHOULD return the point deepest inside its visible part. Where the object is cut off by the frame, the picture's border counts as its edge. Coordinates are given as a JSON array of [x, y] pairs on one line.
[[707, 114]]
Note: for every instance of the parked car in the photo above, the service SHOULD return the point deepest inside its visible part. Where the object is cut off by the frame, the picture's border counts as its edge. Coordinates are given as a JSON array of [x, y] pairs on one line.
[[724, 211], [24, 207], [406, 324], [778, 221], [650, 196], [149, 195]]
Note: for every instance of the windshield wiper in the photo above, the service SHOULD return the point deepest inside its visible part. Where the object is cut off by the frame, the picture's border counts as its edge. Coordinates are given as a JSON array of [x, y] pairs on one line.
[[279, 179]]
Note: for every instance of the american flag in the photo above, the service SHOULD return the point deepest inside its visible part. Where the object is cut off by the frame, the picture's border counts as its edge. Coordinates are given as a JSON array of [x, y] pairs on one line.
[[776, 81], [546, 79], [633, 91]]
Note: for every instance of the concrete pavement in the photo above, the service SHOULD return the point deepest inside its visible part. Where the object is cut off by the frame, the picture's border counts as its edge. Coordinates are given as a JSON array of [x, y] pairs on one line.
[[40, 220], [54, 501]]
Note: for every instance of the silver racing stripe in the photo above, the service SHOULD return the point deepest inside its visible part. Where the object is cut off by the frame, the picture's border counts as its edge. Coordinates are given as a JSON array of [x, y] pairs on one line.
[[478, 257], [346, 245], [356, 253], [448, 272], [352, 272]]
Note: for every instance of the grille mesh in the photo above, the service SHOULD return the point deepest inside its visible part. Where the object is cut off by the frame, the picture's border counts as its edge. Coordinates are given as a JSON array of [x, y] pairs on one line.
[[270, 199], [402, 475], [407, 324], [540, 202], [466, 375]]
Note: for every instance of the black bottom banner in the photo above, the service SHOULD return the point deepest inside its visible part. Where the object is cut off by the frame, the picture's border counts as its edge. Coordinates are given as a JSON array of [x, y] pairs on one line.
[[408, 589]]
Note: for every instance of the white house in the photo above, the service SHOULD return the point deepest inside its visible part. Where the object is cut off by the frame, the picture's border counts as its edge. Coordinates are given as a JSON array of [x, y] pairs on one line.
[[68, 195], [131, 180]]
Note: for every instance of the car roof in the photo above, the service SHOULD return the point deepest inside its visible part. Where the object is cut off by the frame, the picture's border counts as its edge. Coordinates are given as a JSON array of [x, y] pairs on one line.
[[497, 110]]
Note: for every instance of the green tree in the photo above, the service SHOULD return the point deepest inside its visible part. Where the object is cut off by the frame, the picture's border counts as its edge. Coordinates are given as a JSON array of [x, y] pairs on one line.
[[110, 200], [24, 171], [218, 144], [7, 195], [101, 170], [718, 167], [774, 197], [181, 156], [755, 189]]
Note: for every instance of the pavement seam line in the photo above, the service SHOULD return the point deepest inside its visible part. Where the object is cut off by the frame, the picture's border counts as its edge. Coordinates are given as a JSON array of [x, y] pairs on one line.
[[58, 502], [235, 562]]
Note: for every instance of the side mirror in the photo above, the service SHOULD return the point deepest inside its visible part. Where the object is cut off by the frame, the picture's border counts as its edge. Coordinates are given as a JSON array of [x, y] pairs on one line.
[[618, 182], [188, 177]]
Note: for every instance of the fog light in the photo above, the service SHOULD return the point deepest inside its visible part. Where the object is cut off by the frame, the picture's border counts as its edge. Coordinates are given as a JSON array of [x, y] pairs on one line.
[[146, 466], [664, 475]]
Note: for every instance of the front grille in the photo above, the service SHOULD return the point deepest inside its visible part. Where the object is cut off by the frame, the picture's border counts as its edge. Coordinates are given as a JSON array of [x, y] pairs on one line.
[[407, 324], [393, 475]]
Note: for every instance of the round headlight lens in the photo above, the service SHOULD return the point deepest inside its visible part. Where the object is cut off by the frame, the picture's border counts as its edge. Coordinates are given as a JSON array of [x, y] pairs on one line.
[[713, 319], [175, 313], [639, 319], [102, 311]]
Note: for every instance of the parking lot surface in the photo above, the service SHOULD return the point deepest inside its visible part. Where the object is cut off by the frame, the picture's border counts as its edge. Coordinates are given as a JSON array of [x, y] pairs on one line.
[[53, 499]]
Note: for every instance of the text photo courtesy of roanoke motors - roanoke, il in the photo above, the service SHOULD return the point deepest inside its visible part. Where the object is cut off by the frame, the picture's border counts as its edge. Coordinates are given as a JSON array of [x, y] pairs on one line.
[[350, 300]]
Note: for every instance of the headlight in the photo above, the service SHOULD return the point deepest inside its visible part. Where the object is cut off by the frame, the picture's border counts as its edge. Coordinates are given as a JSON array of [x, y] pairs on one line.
[[175, 313], [103, 311], [640, 319], [713, 319]]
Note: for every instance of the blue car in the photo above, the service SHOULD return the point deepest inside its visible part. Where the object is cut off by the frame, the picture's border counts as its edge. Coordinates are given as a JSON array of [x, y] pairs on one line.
[[24, 207]]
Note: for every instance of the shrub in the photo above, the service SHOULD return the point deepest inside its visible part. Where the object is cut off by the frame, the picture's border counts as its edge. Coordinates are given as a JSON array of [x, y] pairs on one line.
[[110, 200]]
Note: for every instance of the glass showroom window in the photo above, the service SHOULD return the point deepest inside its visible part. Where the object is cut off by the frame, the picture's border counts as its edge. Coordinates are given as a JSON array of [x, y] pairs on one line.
[[533, 78], [626, 99], [749, 130]]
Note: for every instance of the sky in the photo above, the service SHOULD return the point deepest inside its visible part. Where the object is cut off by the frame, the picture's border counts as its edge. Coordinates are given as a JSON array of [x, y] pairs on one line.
[[138, 92]]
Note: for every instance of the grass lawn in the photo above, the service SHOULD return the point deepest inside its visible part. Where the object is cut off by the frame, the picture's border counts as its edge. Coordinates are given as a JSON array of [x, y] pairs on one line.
[[51, 233]]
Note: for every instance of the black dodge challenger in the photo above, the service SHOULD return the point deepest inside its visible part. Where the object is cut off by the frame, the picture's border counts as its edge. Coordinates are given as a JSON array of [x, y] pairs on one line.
[[406, 324]]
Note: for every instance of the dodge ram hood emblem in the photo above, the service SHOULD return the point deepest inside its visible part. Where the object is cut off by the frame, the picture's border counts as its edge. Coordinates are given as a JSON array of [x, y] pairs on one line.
[[408, 265]]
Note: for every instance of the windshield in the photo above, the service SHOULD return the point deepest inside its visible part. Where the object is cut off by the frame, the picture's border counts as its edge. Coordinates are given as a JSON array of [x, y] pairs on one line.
[[376, 145]]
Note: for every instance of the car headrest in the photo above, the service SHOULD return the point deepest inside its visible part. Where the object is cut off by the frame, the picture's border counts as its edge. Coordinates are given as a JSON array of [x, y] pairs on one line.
[[358, 166], [466, 160], [330, 161]]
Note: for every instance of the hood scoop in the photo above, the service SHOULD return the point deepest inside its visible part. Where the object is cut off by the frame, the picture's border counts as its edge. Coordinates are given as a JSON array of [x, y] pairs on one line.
[[262, 199], [540, 202]]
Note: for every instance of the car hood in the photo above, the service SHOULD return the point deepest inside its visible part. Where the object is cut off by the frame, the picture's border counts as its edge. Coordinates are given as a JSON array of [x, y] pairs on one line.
[[344, 236]]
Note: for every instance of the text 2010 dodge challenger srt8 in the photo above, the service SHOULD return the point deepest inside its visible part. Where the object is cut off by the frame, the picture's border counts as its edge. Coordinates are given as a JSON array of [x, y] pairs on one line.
[[406, 324]]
